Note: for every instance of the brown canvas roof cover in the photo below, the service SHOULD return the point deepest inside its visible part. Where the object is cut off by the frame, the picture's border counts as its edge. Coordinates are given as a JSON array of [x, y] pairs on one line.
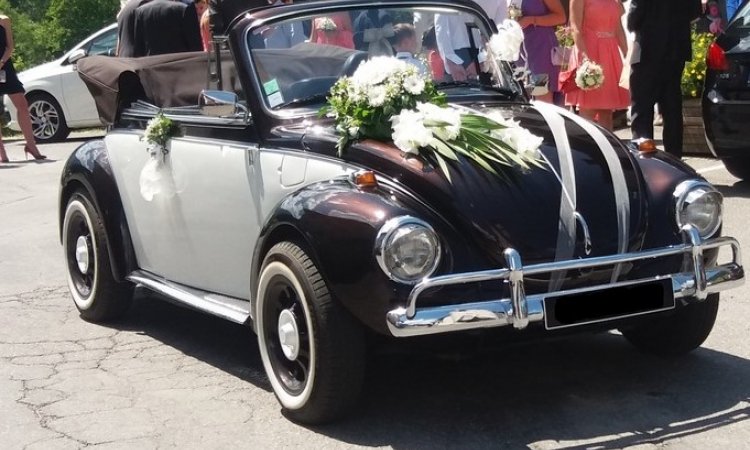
[[175, 80], [164, 80]]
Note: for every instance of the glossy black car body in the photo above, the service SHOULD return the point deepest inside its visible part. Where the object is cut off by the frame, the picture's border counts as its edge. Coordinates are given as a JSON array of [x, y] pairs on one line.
[[268, 226], [726, 97]]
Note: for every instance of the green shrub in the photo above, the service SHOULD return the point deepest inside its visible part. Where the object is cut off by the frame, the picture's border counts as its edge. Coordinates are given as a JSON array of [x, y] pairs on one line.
[[694, 75]]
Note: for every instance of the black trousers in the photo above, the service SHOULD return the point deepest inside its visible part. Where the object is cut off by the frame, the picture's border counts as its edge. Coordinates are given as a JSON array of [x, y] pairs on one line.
[[657, 82]]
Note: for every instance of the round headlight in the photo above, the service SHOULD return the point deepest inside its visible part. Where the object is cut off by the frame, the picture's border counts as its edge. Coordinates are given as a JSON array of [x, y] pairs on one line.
[[407, 249], [698, 204]]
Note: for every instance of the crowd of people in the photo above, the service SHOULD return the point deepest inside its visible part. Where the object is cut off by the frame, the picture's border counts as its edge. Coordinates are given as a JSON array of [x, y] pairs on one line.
[[640, 73]]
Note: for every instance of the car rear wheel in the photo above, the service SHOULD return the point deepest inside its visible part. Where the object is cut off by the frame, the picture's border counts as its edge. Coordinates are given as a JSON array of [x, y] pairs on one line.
[[677, 334], [97, 295], [739, 167], [312, 349], [47, 119]]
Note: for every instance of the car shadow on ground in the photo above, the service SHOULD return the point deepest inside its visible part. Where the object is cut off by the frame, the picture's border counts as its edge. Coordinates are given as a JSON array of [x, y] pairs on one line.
[[740, 189], [592, 388]]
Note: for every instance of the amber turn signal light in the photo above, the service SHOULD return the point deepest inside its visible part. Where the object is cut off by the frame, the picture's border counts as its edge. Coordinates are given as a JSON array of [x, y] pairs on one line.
[[647, 146], [365, 179]]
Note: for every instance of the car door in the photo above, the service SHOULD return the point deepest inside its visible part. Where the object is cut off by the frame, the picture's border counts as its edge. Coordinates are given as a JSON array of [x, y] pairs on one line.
[[201, 234], [80, 107]]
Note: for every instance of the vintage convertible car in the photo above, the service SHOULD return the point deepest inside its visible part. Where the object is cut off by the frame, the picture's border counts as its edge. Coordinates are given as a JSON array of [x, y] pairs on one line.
[[254, 217]]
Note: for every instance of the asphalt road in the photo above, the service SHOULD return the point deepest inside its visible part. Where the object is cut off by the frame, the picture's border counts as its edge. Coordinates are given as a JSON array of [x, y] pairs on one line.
[[167, 377]]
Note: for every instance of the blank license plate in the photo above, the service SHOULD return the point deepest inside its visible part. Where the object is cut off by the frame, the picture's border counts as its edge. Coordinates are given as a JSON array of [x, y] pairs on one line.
[[607, 304]]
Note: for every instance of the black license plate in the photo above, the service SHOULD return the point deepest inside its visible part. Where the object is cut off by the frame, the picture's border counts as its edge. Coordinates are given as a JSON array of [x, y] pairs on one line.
[[607, 304]]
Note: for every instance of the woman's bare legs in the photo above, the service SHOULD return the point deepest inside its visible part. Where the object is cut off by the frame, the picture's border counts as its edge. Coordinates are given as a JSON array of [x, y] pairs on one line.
[[605, 118], [601, 116], [24, 122]]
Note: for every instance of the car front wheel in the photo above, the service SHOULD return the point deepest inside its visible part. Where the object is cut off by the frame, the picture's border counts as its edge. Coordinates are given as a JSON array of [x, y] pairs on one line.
[[47, 119], [97, 295], [739, 167], [312, 349], [676, 334]]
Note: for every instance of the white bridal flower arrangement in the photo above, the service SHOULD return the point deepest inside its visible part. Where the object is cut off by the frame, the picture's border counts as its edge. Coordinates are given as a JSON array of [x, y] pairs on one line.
[[589, 75], [156, 177], [159, 131], [506, 44], [388, 100]]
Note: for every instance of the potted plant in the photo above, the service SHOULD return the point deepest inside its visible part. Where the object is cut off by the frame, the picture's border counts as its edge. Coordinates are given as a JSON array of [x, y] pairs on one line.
[[693, 78]]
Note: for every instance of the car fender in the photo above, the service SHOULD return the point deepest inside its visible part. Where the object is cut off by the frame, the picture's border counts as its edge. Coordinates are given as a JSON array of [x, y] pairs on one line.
[[89, 168], [341, 242]]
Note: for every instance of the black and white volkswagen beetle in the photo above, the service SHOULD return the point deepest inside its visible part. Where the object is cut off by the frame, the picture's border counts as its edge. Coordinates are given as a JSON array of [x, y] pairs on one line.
[[254, 217]]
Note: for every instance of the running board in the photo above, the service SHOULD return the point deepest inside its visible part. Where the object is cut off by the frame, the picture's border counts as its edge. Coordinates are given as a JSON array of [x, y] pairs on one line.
[[229, 308]]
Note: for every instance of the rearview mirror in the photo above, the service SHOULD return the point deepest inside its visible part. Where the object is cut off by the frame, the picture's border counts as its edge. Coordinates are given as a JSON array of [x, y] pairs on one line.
[[76, 55], [220, 104]]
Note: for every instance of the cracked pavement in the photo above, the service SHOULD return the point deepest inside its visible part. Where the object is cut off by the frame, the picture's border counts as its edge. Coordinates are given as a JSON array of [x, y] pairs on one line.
[[167, 377]]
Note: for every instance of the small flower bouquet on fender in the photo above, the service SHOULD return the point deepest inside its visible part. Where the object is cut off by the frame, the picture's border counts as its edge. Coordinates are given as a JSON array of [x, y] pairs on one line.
[[159, 131], [589, 75]]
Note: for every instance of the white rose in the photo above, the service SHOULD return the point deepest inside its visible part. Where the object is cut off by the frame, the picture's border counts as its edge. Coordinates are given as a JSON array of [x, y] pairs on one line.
[[506, 44], [446, 122], [409, 132], [414, 84], [377, 96]]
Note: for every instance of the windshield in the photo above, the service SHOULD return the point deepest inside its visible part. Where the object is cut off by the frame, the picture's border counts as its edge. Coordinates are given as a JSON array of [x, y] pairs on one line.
[[298, 60]]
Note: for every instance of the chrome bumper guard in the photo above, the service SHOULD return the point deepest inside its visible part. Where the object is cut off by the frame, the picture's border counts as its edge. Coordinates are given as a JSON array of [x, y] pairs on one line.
[[519, 310]]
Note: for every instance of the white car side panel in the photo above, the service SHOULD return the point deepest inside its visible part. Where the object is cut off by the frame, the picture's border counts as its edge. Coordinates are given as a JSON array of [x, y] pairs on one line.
[[205, 235], [79, 107]]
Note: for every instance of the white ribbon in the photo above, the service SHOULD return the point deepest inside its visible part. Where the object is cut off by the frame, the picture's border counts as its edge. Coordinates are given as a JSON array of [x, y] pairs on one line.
[[566, 232], [619, 183]]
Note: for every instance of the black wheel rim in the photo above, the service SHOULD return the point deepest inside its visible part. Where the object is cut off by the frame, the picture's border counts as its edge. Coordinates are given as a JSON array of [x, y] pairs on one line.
[[292, 374], [82, 280]]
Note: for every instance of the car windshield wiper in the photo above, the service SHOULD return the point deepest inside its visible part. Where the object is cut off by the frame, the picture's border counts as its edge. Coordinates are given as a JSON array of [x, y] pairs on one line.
[[475, 84], [310, 99]]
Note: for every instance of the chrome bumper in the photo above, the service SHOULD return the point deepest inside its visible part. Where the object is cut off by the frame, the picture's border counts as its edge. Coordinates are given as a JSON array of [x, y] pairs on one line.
[[519, 309]]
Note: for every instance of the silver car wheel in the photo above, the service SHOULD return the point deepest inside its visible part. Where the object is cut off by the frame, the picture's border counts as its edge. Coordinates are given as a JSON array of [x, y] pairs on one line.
[[45, 119]]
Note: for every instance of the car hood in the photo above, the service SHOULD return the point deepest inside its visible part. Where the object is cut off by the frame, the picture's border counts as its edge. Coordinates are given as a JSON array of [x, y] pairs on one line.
[[41, 71], [532, 212]]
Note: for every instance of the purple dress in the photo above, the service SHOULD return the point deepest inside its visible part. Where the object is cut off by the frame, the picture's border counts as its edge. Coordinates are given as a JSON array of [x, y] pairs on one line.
[[539, 42]]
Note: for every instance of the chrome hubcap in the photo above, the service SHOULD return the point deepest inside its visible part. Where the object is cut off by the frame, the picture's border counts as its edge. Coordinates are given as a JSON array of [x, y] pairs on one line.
[[82, 254], [289, 335]]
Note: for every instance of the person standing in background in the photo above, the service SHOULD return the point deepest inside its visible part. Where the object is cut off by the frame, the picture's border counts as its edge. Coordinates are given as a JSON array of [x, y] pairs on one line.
[[334, 29], [661, 48], [732, 6], [453, 39], [286, 35], [538, 20], [166, 26], [126, 28], [11, 86], [599, 37]]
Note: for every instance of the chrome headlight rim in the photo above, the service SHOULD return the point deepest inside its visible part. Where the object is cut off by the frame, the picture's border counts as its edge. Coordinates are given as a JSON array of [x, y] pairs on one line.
[[386, 233], [681, 194]]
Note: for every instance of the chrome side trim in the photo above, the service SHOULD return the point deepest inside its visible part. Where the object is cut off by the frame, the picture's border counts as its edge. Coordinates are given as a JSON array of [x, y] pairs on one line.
[[520, 310], [229, 308], [193, 119]]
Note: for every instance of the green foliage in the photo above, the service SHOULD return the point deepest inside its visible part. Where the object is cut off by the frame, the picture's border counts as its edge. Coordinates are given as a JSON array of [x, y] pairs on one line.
[[44, 29], [695, 71]]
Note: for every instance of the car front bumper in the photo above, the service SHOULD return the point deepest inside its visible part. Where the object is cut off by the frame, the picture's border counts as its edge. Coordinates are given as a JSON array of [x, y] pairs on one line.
[[519, 310]]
